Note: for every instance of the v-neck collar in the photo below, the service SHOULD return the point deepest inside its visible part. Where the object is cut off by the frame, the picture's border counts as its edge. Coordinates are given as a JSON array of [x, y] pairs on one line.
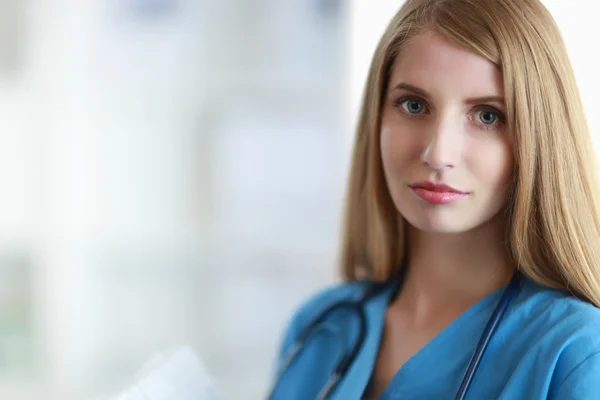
[[467, 326]]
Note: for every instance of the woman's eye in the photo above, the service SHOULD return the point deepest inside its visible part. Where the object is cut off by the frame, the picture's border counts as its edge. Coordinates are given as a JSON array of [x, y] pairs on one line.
[[412, 106], [489, 117]]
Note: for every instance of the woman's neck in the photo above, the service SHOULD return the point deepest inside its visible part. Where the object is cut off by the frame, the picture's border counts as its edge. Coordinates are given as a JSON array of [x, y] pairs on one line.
[[450, 272]]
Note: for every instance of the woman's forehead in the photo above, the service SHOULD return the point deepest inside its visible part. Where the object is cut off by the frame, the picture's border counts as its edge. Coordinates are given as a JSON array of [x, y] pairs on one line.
[[436, 64]]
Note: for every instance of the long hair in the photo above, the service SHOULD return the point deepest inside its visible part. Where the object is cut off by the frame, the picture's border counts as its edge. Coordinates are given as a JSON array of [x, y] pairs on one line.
[[553, 214]]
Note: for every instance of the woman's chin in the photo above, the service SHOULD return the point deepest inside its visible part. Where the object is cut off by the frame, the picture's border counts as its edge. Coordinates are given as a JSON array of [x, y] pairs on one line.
[[449, 221], [440, 228], [442, 223]]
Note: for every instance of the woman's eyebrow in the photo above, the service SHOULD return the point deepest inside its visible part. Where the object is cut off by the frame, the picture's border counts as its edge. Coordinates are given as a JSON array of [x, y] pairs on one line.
[[412, 88], [472, 100], [486, 99]]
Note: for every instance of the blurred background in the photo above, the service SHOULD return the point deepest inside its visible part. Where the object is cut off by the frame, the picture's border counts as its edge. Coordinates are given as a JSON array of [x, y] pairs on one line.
[[172, 171]]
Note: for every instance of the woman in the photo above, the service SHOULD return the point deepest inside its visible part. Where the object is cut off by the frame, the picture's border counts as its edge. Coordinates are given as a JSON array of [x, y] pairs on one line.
[[472, 231]]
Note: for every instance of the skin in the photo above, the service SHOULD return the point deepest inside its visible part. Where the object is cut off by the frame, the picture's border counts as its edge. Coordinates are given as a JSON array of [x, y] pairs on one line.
[[443, 121]]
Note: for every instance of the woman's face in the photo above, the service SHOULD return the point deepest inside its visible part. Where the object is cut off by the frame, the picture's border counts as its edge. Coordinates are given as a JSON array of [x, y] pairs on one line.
[[446, 152]]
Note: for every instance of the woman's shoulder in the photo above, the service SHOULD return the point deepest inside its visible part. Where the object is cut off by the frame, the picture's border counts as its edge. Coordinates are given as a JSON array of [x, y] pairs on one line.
[[561, 311], [565, 332], [316, 303]]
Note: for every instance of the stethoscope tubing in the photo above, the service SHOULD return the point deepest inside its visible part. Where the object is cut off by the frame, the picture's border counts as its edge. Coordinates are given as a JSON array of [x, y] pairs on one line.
[[357, 307]]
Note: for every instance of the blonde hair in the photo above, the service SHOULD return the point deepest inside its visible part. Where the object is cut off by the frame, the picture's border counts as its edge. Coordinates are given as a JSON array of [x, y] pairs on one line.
[[553, 216]]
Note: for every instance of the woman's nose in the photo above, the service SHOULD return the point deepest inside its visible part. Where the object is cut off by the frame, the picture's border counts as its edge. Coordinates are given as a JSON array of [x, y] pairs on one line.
[[443, 148]]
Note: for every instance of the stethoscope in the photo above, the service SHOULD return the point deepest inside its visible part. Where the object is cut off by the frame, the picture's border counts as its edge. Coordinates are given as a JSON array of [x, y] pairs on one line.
[[357, 307]]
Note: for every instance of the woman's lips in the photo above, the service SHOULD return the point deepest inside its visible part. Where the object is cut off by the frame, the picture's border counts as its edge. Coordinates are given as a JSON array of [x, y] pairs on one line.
[[437, 193]]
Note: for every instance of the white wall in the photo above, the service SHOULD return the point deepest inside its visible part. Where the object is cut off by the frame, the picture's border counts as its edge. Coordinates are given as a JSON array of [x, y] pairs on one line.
[[171, 179]]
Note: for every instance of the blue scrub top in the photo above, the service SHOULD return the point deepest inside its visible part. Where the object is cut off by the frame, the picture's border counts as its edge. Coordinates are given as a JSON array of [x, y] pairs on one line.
[[547, 346]]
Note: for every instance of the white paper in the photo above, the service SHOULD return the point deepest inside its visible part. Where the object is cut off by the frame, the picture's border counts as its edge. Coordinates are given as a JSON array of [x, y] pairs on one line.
[[177, 376]]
